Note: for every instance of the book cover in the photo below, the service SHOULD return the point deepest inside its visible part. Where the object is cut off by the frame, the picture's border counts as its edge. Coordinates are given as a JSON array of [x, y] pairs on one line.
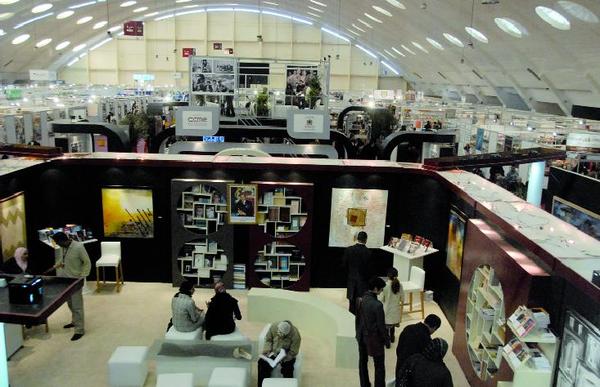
[[295, 224], [284, 263], [199, 211], [273, 214], [210, 212], [284, 214], [295, 206]]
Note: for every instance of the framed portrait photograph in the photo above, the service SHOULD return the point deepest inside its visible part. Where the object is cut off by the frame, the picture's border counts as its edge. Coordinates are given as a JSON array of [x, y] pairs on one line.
[[241, 201]]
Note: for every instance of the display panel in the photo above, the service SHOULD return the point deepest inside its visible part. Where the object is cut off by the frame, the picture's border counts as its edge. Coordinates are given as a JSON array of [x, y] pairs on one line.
[[297, 80], [241, 199], [579, 364], [348, 206], [584, 220], [127, 213], [213, 76], [456, 239], [13, 231]]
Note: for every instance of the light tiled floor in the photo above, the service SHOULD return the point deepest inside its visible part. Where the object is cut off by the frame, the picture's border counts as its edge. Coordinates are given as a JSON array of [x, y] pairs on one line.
[[139, 315]]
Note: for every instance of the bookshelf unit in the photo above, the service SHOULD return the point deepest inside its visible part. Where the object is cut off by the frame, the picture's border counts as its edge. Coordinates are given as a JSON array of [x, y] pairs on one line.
[[202, 209], [281, 212], [279, 264], [526, 373], [202, 260], [485, 330]]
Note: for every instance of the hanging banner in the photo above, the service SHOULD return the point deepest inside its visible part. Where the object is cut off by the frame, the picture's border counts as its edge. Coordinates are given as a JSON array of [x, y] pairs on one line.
[[133, 28], [186, 52]]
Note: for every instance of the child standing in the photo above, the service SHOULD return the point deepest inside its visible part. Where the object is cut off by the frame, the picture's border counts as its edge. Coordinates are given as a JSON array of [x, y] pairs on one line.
[[391, 297]]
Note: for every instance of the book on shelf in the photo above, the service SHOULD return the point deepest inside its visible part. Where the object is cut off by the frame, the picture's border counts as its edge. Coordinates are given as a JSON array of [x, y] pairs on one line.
[[212, 247], [268, 198], [522, 321], [260, 217], [210, 212], [284, 214], [295, 223], [284, 263], [295, 206], [273, 247], [273, 214], [538, 360], [198, 211], [517, 351], [541, 317]]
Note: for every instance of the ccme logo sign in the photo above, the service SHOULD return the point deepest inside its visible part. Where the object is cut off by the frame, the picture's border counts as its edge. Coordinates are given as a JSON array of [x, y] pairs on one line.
[[197, 120]]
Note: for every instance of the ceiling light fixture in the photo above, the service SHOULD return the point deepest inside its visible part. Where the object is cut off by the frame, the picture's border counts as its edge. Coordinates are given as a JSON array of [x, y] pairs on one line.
[[41, 8], [365, 23], [318, 3], [314, 14], [382, 10], [43, 42], [151, 14], [365, 51], [579, 11], [65, 14], [62, 45], [128, 4], [6, 15], [390, 54], [352, 32], [33, 20], [398, 52], [71, 63], [417, 45], [408, 49], [79, 47], [8, 2], [100, 24], [102, 43], [84, 19], [390, 68], [453, 39], [140, 9], [81, 5], [315, 9], [509, 26], [476, 34], [373, 18], [553, 18], [358, 28], [270, 3], [435, 44], [396, 4], [21, 39], [333, 33]]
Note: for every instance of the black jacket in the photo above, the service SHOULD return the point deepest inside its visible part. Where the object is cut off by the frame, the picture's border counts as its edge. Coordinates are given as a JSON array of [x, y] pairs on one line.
[[370, 320], [413, 339], [220, 313], [427, 372], [356, 263], [11, 267]]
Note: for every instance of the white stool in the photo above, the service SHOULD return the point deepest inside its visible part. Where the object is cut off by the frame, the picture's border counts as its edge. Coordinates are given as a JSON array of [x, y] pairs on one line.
[[415, 284], [174, 334], [128, 367], [236, 335], [228, 377], [175, 380], [110, 257], [276, 382]]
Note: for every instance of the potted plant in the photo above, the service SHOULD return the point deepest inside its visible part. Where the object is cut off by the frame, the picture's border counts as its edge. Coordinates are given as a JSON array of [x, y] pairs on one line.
[[314, 91], [262, 103]]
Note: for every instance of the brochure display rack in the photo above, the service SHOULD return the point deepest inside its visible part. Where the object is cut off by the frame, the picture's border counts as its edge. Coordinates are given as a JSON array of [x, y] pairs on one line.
[[279, 264], [281, 212], [485, 318]]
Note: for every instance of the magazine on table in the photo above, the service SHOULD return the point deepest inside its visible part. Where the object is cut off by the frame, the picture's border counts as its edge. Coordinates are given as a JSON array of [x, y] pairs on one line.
[[274, 362]]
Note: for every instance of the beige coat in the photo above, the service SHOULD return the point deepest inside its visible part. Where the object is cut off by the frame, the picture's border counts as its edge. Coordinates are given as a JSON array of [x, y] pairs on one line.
[[391, 304]]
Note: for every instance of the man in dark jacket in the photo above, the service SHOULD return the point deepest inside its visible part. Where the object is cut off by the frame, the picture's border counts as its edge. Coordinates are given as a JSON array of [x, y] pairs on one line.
[[221, 310], [427, 369], [414, 338], [371, 334], [356, 263]]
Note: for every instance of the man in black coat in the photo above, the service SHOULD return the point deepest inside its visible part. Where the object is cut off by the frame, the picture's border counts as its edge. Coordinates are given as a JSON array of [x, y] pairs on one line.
[[221, 311], [414, 338], [356, 263], [371, 334]]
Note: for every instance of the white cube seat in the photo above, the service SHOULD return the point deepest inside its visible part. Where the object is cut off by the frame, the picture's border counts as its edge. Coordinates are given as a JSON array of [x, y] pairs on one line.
[[174, 334], [175, 380], [236, 335], [228, 377], [276, 382], [128, 366]]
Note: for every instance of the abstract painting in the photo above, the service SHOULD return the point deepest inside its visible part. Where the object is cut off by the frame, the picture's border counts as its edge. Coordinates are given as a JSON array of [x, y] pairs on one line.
[[127, 213], [13, 231], [456, 239]]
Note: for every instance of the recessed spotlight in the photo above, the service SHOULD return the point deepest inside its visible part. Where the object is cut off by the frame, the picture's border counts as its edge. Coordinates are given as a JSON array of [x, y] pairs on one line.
[[100, 24], [21, 39], [453, 39], [79, 47], [476, 34], [435, 44], [43, 42], [62, 45], [84, 19], [65, 14], [579, 11], [553, 18], [396, 4], [318, 3], [365, 23], [140, 9], [6, 15], [128, 3], [382, 10], [41, 8], [372, 18]]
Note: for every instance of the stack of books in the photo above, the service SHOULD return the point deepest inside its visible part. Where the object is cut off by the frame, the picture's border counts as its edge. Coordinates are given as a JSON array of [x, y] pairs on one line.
[[239, 276]]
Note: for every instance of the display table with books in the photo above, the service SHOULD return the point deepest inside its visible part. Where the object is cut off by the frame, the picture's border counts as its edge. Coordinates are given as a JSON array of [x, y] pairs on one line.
[[403, 260]]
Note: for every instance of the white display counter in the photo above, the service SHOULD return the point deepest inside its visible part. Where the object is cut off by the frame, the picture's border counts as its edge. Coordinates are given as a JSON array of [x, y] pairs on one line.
[[403, 261]]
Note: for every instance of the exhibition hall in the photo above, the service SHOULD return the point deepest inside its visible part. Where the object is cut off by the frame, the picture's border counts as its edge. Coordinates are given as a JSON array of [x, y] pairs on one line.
[[300, 193]]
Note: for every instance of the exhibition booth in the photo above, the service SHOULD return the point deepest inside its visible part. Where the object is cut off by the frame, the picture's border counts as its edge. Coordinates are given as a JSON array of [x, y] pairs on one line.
[[490, 253]]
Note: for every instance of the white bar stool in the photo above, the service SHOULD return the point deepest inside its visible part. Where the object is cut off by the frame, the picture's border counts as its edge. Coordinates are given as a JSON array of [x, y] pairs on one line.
[[110, 257]]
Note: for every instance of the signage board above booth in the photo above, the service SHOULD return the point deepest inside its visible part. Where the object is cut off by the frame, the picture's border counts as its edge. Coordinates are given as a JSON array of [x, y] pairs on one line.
[[583, 142], [42, 75], [133, 28], [308, 124], [197, 121]]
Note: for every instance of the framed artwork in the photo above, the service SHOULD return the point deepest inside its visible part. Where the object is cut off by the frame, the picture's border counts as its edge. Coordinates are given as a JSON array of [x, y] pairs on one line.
[[241, 200], [357, 217], [584, 220], [127, 213], [13, 231], [579, 364], [213, 76], [456, 238]]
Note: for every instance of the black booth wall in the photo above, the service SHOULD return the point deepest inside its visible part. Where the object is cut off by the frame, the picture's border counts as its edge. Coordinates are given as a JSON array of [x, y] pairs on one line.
[[576, 188]]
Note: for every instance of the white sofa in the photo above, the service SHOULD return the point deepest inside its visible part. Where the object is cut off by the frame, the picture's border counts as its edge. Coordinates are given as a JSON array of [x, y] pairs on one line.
[[313, 316]]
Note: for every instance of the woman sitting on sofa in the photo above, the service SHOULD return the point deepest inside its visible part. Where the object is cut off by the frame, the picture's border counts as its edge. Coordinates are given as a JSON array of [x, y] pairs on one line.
[[187, 317], [221, 311]]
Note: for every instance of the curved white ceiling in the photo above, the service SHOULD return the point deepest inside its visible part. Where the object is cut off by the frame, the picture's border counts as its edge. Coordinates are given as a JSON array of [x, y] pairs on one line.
[[569, 59]]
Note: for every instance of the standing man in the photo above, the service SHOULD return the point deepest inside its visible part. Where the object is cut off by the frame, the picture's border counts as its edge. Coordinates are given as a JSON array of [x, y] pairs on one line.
[[281, 336], [71, 260], [356, 261], [414, 338], [371, 334]]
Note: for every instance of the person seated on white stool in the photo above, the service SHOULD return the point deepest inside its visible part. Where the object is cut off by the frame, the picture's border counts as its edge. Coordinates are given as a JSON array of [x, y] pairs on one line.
[[187, 317], [281, 336], [221, 310]]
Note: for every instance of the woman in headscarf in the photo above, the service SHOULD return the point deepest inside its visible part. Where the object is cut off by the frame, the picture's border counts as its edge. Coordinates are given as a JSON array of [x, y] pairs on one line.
[[427, 369], [19, 263]]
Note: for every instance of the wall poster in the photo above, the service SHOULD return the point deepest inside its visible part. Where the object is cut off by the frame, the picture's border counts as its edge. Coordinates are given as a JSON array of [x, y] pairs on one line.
[[579, 364], [213, 76], [355, 210], [13, 231], [584, 220], [297, 80], [127, 213], [242, 203], [456, 240]]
